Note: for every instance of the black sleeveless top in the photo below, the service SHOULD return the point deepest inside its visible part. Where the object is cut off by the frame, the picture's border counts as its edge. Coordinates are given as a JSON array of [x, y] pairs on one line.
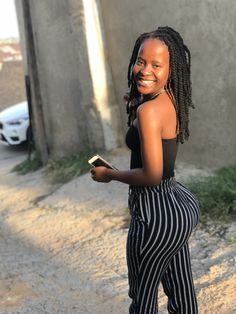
[[169, 146]]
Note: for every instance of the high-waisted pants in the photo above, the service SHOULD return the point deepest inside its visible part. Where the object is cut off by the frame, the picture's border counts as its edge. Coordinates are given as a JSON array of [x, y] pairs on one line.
[[162, 219]]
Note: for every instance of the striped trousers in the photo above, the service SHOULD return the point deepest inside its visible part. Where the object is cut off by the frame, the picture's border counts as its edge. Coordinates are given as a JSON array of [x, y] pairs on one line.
[[162, 219]]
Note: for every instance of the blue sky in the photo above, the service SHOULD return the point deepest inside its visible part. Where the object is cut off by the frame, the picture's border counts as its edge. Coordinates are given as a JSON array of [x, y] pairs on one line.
[[8, 21]]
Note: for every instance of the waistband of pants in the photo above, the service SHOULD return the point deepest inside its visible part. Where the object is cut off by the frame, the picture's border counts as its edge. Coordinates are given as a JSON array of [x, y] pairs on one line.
[[166, 185]]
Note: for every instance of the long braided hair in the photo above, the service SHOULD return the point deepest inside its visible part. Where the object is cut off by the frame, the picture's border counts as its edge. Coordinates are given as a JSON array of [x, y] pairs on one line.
[[178, 86]]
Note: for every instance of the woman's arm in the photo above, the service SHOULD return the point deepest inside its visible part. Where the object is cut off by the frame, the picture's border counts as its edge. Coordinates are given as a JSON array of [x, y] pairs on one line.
[[149, 125]]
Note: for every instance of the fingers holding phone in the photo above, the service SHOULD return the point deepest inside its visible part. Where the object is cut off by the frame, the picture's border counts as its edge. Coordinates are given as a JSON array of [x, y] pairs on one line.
[[100, 174], [101, 169], [93, 173]]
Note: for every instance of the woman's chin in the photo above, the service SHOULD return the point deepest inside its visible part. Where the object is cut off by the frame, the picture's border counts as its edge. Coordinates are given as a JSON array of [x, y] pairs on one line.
[[144, 90], [149, 91]]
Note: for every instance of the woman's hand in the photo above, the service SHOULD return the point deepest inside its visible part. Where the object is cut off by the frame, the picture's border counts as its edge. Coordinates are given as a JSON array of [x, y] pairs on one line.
[[100, 174]]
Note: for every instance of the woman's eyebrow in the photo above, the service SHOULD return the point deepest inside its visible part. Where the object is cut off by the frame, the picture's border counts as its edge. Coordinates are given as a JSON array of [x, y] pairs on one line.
[[153, 61]]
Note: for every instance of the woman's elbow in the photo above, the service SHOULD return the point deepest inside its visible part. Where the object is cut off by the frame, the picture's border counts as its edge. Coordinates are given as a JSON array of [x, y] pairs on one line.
[[154, 178], [156, 181]]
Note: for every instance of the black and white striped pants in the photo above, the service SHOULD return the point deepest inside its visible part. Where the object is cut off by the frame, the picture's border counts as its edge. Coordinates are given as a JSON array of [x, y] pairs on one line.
[[162, 219]]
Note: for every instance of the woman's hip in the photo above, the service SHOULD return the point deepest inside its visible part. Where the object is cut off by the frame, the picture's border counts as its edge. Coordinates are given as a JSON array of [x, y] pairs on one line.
[[170, 201]]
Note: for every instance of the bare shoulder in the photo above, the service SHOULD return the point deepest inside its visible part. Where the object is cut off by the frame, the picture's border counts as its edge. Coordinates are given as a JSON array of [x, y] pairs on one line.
[[147, 114], [148, 117], [156, 109]]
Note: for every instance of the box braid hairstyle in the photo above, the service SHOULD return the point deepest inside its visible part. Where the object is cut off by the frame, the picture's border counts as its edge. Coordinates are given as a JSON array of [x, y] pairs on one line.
[[179, 82]]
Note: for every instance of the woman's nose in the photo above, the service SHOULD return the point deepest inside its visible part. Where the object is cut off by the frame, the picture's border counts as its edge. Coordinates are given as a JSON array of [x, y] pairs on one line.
[[146, 69]]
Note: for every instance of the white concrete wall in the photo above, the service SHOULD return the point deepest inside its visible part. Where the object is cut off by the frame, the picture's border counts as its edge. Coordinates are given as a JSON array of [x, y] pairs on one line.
[[208, 28], [77, 114]]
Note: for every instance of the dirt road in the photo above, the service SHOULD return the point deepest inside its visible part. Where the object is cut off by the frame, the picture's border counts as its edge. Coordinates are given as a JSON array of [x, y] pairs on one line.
[[62, 248]]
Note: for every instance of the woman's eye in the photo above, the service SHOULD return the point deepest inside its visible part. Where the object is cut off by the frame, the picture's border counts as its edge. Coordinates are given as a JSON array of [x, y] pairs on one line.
[[156, 66], [139, 62]]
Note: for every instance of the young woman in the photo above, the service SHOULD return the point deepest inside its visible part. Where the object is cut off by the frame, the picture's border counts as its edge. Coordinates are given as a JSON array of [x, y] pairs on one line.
[[163, 212]]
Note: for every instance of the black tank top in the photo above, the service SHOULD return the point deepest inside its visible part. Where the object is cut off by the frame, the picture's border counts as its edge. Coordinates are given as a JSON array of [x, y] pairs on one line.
[[169, 146]]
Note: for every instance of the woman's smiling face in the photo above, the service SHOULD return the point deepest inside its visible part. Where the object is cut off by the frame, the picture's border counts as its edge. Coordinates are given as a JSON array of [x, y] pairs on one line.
[[151, 69]]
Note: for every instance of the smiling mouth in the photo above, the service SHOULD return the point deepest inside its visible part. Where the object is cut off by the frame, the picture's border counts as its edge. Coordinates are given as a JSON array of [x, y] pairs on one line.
[[145, 83]]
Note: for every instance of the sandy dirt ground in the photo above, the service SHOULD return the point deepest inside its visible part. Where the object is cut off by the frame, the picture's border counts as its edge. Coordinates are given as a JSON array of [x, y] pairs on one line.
[[62, 248]]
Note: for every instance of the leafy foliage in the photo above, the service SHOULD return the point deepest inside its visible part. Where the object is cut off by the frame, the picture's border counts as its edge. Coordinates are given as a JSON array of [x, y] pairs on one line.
[[30, 164], [216, 194], [67, 168]]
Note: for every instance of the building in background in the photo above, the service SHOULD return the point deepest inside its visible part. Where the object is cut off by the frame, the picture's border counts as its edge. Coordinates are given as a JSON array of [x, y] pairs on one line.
[[12, 84], [77, 57]]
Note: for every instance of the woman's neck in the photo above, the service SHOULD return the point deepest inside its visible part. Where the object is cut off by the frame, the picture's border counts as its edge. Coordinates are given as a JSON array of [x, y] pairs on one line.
[[152, 96]]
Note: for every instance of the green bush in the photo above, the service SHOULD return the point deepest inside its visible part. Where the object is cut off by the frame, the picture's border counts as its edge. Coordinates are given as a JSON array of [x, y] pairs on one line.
[[30, 164], [58, 171], [67, 168], [216, 194]]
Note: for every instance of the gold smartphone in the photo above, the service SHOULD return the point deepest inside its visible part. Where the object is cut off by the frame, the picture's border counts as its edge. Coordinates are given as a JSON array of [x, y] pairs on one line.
[[97, 161]]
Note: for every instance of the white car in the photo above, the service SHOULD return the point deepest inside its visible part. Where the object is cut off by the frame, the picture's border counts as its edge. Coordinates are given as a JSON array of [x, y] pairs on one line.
[[14, 124]]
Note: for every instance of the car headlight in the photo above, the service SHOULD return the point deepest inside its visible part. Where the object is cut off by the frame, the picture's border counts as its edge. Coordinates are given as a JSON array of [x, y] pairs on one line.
[[17, 121]]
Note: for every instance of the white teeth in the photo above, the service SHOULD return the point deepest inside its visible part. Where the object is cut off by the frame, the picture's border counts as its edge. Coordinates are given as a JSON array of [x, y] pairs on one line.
[[147, 82]]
